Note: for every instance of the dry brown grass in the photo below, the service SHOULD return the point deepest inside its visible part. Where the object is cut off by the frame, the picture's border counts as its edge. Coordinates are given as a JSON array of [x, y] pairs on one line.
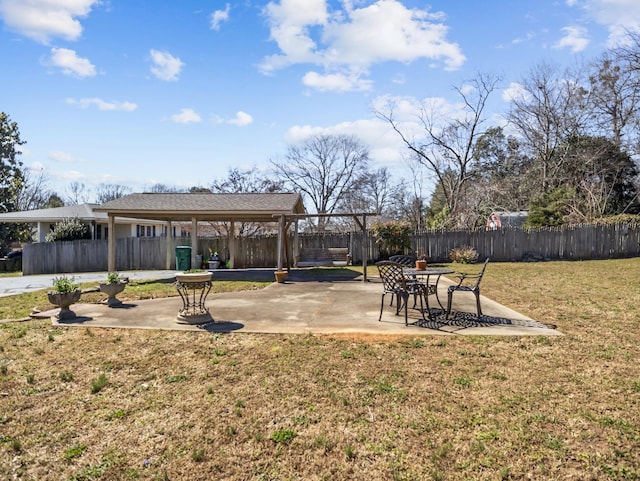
[[201, 406]]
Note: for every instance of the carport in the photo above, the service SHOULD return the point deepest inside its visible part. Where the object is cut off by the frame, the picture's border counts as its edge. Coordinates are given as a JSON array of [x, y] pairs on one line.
[[196, 207]]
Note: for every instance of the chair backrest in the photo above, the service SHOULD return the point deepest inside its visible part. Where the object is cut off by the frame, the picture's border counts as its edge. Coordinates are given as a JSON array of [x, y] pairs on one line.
[[393, 279], [481, 273], [407, 261]]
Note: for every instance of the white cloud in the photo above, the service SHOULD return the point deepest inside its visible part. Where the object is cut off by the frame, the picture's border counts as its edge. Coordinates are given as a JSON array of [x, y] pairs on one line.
[[71, 64], [575, 38], [102, 105], [36, 167], [186, 116], [385, 146], [618, 16], [353, 39], [241, 119], [335, 82], [62, 157], [527, 38], [43, 19], [514, 91], [220, 16], [165, 66]]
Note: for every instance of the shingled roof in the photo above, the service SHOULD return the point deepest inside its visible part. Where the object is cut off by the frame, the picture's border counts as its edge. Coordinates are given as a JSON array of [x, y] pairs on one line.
[[204, 206]]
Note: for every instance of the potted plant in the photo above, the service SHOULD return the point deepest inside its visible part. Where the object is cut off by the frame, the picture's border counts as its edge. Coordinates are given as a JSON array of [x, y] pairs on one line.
[[114, 285], [421, 262], [281, 276], [64, 293], [214, 260]]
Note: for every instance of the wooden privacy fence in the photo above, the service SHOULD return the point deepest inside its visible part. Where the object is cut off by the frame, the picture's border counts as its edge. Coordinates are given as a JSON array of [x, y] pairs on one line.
[[509, 244], [549, 243]]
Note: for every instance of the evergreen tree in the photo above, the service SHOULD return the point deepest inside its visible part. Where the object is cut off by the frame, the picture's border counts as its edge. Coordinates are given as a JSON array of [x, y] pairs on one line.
[[11, 177]]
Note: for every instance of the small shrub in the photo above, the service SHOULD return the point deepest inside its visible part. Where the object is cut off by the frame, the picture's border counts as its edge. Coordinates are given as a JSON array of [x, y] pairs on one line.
[[68, 230], [463, 255], [391, 237]]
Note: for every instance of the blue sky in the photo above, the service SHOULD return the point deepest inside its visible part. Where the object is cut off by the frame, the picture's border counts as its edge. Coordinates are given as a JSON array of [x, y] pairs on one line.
[[138, 92]]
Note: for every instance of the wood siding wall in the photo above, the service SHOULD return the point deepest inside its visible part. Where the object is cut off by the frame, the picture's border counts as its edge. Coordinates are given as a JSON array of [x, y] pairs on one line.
[[509, 244]]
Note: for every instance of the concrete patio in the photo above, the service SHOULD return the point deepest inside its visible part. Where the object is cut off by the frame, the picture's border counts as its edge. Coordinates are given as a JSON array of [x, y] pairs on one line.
[[306, 305]]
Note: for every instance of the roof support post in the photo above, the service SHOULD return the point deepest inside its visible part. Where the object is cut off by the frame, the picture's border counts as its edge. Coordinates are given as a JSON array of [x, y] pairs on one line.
[[111, 243], [169, 239], [363, 227], [194, 242], [281, 234], [296, 244], [232, 244], [42, 232]]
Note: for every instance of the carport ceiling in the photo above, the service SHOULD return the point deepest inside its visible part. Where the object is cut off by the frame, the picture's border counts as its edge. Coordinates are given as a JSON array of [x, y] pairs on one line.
[[204, 206]]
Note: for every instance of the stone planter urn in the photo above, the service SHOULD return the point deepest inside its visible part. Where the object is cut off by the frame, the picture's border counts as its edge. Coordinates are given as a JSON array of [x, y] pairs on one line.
[[281, 276], [193, 288], [112, 289], [63, 300]]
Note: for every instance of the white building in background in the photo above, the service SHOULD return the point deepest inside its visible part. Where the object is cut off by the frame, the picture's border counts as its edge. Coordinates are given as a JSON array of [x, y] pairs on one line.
[[44, 221], [500, 219]]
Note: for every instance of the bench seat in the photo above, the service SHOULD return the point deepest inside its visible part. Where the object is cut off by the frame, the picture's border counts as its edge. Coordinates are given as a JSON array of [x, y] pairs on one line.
[[332, 256]]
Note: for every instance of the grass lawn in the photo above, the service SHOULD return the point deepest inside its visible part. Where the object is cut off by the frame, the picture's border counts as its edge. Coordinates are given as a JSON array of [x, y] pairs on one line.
[[99, 404]]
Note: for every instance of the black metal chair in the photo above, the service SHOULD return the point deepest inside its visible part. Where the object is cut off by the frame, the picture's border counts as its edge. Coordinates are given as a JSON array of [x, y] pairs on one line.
[[406, 261], [462, 287], [394, 282]]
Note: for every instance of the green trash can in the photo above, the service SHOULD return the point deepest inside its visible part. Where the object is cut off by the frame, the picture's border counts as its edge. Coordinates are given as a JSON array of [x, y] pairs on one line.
[[183, 258]]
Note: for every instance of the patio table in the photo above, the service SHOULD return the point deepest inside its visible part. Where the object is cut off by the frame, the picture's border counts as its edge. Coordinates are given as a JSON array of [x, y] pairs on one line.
[[432, 288]]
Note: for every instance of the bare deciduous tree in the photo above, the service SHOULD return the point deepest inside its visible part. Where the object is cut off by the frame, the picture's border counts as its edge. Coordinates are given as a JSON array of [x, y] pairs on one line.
[[107, 192], [323, 169], [249, 180], [615, 99], [549, 109], [244, 181], [446, 146], [33, 191], [78, 193]]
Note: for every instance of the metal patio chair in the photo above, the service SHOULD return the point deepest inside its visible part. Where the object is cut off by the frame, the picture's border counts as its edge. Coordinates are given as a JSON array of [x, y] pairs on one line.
[[406, 261], [463, 286], [401, 287]]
